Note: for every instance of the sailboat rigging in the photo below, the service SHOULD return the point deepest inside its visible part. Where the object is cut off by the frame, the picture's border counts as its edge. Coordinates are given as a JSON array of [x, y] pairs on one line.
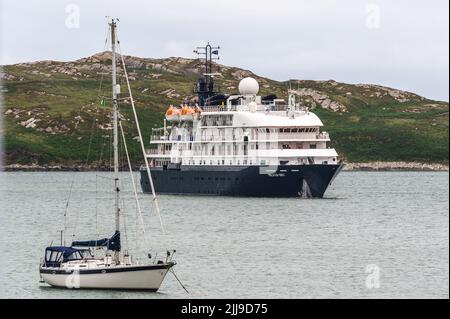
[[63, 266]]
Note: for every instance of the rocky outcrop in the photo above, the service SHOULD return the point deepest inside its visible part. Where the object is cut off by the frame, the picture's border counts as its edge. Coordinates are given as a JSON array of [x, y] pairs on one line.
[[30, 123], [10, 77], [170, 93], [38, 119], [395, 166], [240, 74], [321, 99], [382, 91]]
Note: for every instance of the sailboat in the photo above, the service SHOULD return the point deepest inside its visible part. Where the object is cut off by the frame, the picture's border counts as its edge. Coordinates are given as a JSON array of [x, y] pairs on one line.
[[80, 265]]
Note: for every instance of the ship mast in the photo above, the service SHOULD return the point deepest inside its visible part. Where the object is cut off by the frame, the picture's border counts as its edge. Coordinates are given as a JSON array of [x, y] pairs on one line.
[[205, 85], [115, 132]]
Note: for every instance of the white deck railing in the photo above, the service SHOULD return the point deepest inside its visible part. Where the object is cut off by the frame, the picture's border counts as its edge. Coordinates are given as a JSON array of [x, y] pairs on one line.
[[262, 137]]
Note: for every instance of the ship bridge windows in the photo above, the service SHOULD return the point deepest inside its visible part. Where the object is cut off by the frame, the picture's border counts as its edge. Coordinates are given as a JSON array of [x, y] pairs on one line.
[[286, 132]]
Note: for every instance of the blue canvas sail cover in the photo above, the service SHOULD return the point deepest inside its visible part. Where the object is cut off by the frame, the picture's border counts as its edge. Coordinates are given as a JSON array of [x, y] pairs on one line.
[[112, 243]]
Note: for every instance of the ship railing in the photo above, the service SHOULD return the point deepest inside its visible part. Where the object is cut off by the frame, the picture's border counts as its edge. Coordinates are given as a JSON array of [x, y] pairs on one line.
[[218, 108], [267, 107], [171, 138], [159, 138], [323, 135], [285, 107], [269, 137], [210, 138], [153, 151], [308, 136]]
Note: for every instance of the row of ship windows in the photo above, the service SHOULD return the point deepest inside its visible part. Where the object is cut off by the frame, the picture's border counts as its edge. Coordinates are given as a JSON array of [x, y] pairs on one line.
[[228, 122], [298, 130], [222, 162], [244, 162], [253, 146], [174, 178], [215, 120]]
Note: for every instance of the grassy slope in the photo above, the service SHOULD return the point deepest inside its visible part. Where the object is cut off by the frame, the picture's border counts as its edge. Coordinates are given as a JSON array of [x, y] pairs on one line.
[[374, 128]]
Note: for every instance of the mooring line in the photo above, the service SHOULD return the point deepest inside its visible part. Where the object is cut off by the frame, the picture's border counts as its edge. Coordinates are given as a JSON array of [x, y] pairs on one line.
[[171, 270]]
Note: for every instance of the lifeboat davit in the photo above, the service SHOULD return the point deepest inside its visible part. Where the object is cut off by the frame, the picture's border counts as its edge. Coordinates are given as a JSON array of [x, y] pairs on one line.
[[197, 112], [187, 113], [173, 114]]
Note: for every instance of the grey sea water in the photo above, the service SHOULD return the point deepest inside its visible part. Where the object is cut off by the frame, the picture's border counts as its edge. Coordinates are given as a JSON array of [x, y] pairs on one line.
[[375, 235]]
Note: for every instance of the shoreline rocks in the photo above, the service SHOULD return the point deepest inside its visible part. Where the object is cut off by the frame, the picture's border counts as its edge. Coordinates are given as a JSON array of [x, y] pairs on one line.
[[396, 166], [370, 166]]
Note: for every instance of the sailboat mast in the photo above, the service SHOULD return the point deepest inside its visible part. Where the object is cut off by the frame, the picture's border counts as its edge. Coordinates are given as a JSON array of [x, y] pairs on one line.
[[115, 125]]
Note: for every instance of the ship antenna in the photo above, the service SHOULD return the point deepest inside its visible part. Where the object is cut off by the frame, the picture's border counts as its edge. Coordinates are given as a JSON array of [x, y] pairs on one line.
[[205, 85]]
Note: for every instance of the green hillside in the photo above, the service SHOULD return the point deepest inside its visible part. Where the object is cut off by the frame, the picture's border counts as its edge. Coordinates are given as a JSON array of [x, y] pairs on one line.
[[50, 110]]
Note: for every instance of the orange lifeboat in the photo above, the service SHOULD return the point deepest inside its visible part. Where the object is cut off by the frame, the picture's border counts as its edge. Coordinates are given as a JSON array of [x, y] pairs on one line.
[[187, 113], [173, 114]]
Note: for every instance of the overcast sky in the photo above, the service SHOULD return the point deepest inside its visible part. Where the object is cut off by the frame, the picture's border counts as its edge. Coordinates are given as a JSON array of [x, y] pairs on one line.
[[398, 43]]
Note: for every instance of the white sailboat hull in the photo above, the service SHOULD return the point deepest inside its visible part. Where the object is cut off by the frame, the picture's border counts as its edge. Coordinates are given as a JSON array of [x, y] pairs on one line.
[[120, 277]]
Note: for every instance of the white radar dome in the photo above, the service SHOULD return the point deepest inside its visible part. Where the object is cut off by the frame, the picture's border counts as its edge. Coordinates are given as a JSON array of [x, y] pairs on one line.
[[248, 86]]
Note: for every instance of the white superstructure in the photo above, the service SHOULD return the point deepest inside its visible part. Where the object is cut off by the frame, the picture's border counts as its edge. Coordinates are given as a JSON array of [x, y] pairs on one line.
[[243, 130]]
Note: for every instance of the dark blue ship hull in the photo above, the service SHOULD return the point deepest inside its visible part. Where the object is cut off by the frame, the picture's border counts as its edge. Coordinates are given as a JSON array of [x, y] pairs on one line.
[[254, 181]]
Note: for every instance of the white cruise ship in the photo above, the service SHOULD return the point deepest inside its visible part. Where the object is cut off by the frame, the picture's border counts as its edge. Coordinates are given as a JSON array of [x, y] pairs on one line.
[[241, 145]]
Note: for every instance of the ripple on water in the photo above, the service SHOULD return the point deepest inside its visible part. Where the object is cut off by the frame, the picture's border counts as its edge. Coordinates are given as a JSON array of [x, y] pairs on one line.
[[246, 247]]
